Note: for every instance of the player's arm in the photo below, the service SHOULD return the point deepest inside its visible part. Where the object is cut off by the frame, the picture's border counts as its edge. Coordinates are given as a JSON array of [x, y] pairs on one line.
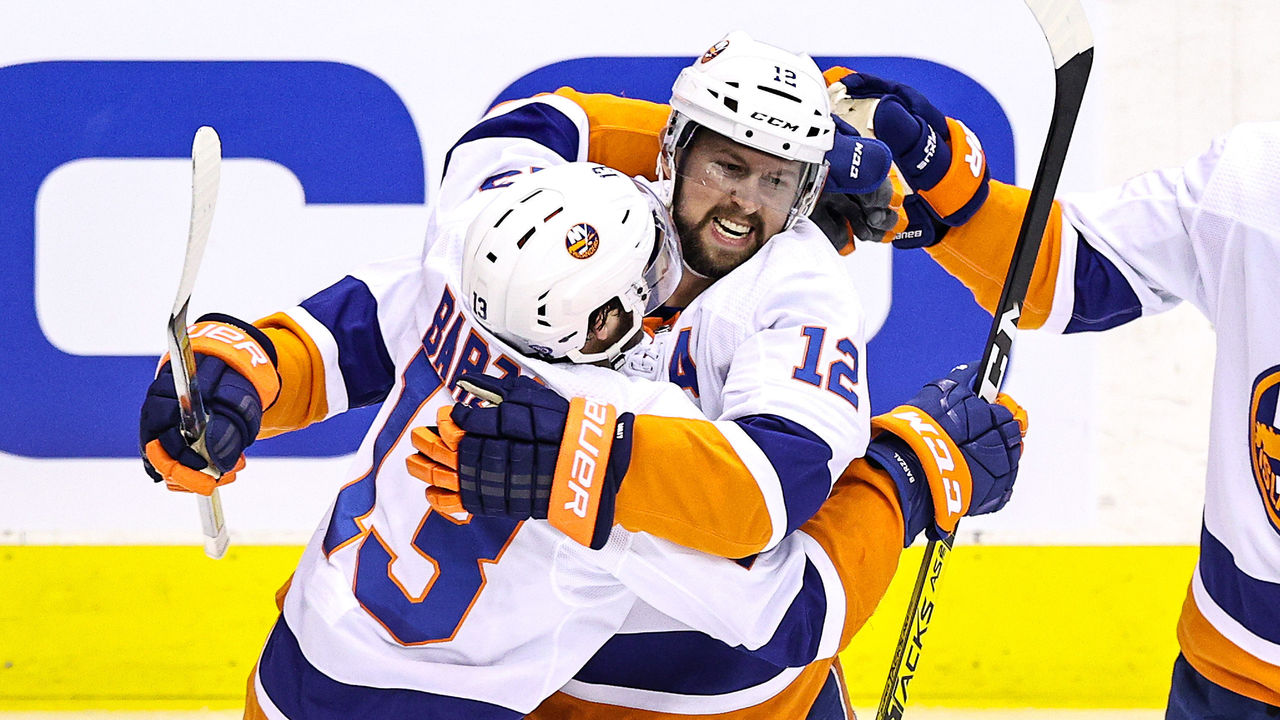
[[282, 373], [794, 415], [332, 347], [520, 136], [942, 455]]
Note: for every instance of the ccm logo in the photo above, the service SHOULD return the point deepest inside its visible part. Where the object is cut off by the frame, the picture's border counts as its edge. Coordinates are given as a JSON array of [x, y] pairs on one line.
[[234, 338], [942, 458], [776, 122], [586, 456]]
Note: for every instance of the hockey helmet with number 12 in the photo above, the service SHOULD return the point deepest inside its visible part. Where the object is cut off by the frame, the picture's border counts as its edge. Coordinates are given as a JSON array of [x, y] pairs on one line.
[[760, 96], [561, 246]]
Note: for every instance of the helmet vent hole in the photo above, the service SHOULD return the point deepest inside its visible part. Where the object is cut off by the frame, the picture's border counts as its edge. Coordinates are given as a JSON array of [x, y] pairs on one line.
[[553, 214], [528, 234], [542, 310], [491, 258], [543, 323], [731, 104], [732, 84], [749, 133], [568, 337], [626, 215], [543, 296], [504, 217], [786, 146], [532, 195], [779, 93], [714, 94], [813, 131]]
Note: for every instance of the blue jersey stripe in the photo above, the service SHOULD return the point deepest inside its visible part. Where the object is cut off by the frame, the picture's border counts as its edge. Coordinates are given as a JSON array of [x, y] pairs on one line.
[[350, 313], [1104, 298], [1253, 603], [799, 457], [535, 121], [683, 662], [795, 643], [302, 692], [692, 663]]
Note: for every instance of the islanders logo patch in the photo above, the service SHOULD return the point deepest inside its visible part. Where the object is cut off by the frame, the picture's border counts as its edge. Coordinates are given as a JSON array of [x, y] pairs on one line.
[[1264, 440], [713, 51], [581, 241]]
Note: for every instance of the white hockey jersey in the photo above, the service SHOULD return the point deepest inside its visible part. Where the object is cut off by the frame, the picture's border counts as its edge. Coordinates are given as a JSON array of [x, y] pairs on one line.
[[397, 610], [772, 353], [1207, 233]]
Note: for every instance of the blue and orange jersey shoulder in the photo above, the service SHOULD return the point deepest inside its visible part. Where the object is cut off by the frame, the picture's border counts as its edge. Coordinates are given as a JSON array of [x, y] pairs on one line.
[[623, 133]]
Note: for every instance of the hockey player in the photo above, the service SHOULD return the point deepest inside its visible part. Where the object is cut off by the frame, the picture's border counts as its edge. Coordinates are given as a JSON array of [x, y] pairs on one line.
[[399, 610], [1207, 233], [750, 334]]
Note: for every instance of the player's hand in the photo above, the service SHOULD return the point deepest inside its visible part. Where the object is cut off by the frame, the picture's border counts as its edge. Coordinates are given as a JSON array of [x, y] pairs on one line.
[[940, 158], [949, 452], [856, 164], [527, 453], [236, 370]]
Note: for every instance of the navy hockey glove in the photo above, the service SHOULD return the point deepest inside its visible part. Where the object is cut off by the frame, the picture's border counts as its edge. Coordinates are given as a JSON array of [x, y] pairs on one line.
[[950, 453], [236, 370], [940, 158], [856, 164], [527, 453]]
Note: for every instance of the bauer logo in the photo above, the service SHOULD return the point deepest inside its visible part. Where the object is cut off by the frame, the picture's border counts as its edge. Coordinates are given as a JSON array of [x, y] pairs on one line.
[[582, 240], [1264, 441]]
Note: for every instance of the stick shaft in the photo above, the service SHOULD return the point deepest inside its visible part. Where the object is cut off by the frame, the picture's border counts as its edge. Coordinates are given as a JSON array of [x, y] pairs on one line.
[[206, 170]]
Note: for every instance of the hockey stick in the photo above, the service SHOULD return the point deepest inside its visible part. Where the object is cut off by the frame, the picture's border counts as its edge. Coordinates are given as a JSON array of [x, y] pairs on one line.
[[206, 169], [1071, 46]]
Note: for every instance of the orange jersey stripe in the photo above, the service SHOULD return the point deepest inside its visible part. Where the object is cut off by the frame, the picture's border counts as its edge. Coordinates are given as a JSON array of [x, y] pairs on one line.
[[860, 527], [1221, 661], [625, 133], [709, 501], [302, 393], [793, 702], [977, 253]]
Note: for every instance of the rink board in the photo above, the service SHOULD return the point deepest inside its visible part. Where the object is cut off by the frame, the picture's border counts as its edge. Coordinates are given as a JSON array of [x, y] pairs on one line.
[[159, 627]]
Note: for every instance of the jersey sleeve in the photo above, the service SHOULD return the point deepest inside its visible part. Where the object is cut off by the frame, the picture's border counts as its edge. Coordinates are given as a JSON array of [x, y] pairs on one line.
[[800, 602], [789, 417], [1108, 257], [333, 346], [521, 136]]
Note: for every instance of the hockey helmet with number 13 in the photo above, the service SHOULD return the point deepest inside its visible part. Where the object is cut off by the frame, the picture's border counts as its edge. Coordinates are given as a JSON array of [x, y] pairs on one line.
[[565, 253], [760, 96]]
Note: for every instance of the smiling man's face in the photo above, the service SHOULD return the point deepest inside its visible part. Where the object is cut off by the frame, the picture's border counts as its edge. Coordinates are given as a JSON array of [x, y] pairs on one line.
[[730, 199]]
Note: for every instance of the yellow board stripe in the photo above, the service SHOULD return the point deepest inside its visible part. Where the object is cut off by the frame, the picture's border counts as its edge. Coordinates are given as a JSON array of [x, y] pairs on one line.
[[152, 628]]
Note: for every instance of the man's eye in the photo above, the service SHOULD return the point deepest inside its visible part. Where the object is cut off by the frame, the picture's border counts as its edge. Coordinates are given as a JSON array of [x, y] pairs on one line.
[[776, 183], [731, 169]]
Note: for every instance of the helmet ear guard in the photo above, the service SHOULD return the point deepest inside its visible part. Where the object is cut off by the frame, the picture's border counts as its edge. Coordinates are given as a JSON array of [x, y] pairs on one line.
[[760, 96], [558, 245]]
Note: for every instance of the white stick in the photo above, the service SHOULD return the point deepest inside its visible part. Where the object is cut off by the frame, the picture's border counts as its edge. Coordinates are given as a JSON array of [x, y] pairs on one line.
[[206, 170]]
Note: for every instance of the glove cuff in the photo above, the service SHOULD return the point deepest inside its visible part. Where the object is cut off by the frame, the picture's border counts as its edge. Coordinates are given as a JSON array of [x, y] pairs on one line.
[[581, 504], [944, 466], [963, 188], [889, 453], [242, 350]]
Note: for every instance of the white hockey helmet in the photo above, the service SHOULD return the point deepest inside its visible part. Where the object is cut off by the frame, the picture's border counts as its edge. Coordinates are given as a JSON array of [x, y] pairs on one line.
[[560, 244], [758, 95]]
